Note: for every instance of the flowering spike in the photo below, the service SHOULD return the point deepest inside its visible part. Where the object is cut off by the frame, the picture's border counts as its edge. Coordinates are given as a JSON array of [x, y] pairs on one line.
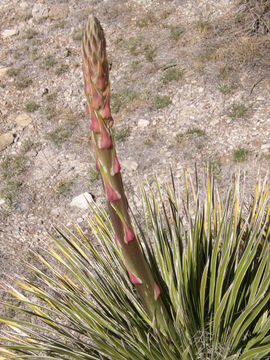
[[97, 90]]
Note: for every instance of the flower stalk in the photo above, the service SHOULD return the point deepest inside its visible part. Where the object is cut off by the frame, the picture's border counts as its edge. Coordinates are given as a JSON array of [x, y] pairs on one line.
[[97, 91]]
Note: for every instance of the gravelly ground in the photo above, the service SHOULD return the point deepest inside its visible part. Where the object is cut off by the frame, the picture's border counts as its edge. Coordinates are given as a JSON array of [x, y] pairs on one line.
[[189, 86]]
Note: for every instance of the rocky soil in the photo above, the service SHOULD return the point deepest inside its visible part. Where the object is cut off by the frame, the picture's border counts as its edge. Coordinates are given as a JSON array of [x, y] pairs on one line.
[[190, 85]]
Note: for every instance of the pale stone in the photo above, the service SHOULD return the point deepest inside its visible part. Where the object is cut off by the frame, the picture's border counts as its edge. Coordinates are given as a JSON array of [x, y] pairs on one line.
[[143, 123], [58, 12], [56, 211], [9, 33], [214, 122], [81, 201], [3, 71], [6, 140], [23, 120], [2, 202], [23, 4], [129, 165], [39, 11], [265, 146]]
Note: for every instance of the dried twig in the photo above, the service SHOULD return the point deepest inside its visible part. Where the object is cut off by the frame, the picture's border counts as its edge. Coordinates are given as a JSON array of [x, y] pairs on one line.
[[255, 84]]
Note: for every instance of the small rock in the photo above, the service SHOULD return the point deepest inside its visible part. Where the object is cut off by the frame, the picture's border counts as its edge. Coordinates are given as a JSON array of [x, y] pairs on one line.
[[129, 165], [265, 146], [56, 211], [23, 5], [39, 11], [3, 111], [6, 140], [58, 12], [9, 33], [143, 123], [81, 201], [3, 71], [23, 120], [2, 202], [214, 122]]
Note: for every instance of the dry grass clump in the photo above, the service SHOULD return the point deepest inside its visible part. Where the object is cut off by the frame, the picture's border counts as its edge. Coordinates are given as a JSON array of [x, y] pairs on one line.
[[243, 50], [239, 38], [255, 15]]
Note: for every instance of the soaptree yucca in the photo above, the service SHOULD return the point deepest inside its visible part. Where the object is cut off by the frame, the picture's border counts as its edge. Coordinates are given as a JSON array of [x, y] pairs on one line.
[[188, 278]]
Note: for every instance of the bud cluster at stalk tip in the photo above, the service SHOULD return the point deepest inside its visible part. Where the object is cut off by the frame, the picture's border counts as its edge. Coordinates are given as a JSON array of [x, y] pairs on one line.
[[96, 81]]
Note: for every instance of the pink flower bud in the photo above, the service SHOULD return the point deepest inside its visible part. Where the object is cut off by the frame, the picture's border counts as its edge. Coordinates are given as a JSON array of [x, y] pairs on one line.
[[134, 279], [157, 291]]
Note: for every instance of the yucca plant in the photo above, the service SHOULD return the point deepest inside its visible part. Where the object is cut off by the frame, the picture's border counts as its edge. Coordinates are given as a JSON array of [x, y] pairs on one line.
[[210, 257], [202, 258]]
